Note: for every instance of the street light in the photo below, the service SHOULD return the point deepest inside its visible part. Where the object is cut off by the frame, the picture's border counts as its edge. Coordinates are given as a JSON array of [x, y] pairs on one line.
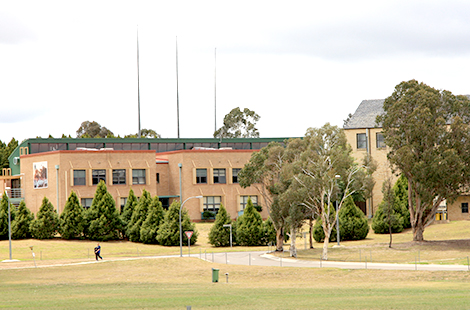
[[181, 230], [229, 225], [337, 214], [9, 220]]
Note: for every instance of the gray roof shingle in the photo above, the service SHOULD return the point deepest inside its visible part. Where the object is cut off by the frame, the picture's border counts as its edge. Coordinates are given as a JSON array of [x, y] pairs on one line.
[[365, 115]]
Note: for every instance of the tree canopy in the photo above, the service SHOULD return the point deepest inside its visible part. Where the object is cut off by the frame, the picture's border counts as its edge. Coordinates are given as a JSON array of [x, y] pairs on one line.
[[93, 130], [239, 124], [427, 132]]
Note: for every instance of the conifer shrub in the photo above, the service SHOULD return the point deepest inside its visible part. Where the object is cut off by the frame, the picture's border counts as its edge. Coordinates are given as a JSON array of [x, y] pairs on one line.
[[269, 232], [353, 223], [46, 224], [21, 226], [139, 216], [72, 219], [219, 235], [250, 227], [169, 234], [126, 213], [155, 217], [4, 216]]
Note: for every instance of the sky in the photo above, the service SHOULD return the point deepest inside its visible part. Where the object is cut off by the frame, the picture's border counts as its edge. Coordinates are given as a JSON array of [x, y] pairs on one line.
[[298, 64]]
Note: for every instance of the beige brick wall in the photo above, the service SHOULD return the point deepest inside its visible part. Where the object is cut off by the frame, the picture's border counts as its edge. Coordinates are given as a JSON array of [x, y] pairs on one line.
[[454, 210], [68, 161], [379, 155]]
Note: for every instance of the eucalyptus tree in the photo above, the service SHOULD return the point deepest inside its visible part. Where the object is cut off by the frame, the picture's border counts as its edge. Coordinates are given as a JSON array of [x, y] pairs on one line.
[[239, 124], [328, 174], [427, 133]]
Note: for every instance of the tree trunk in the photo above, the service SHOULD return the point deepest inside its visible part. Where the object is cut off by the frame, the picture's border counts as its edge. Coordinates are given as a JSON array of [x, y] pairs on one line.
[[280, 240], [390, 232], [310, 232], [293, 237], [418, 231], [325, 246]]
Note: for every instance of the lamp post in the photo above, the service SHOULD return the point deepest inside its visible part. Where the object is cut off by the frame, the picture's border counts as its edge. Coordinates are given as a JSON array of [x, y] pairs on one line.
[[337, 214], [181, 230], [57, 186], [9, 220], [229, 225]]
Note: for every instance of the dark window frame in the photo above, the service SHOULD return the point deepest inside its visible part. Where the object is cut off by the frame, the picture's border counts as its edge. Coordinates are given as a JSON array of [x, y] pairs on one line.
[[139, 179], [219, 175], [119, 179], [97, 175], [361, 141], [211, 203], [235, 172], [201, 178], [79, 180], [464, 207], [380, 142]]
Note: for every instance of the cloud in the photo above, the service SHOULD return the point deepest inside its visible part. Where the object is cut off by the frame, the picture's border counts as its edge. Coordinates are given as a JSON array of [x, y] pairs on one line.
[[12, 31]]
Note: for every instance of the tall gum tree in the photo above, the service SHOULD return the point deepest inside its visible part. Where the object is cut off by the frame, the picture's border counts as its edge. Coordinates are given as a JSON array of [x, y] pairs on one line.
[[327, 173], [427, 133]]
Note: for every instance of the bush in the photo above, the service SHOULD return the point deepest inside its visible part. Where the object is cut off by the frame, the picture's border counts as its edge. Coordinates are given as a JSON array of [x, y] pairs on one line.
[[353, 223], [169, 234], [20, 227], [220, 235], [208, 215], [250, 227], [47, 222], [126, 213], [319, 234], [139, 216], [155, 216], [4, 216], [72, 219], [380, 223], [269, 232]]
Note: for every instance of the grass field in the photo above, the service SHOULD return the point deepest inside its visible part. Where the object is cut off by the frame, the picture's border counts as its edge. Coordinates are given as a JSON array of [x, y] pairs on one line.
[[174, 283]]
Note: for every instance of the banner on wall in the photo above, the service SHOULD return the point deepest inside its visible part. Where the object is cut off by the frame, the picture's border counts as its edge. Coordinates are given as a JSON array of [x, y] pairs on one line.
[[40, 174]]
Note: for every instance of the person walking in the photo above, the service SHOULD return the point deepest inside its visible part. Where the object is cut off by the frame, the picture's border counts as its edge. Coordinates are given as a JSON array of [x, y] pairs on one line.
[[97, 251]]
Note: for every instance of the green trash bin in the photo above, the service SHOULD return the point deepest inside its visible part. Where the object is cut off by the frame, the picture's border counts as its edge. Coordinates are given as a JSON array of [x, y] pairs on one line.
[[215, 275]]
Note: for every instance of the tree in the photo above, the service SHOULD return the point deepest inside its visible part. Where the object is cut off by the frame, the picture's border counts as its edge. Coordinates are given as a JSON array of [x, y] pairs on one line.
[[93, 130], [46, 224], [387, 219], [139, 216], [239, 124], [155, 216], [169, 232], [427, 133], [4, 216], [145, 133], [401, 200], [220, 235], [328, 173], [250, 226], [128, 210], [72, 219], [20, 227], [269, 232], [5, 152], [103, 217], [263, 172], [353, 223]]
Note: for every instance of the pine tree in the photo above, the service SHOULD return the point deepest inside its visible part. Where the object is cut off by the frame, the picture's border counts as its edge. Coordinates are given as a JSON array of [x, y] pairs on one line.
[[220, 235], [353, 223], [129, 208], [72, 219], [269, 232], [94, 212], [401, 204], [139, 216], [108, 225], [250, 227], [4, 217], [46, 223], [20, 227], [169, 233], [155, 216]]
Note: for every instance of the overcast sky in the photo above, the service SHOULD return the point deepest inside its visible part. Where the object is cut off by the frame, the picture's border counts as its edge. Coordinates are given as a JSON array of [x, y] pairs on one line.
[[298, 64]]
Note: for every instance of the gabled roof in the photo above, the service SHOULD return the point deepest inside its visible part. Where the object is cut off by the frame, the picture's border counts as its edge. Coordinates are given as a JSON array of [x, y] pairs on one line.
[[365, 115]]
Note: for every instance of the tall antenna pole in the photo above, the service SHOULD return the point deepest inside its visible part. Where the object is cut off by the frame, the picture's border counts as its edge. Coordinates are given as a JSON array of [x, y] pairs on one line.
[[138, 81], [215, 90], [177, 92]]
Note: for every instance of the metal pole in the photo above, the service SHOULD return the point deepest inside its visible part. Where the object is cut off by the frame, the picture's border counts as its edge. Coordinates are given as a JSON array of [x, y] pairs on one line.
[[189, 247], [9, 222], [138, 84], [337, 224], [177, 92]]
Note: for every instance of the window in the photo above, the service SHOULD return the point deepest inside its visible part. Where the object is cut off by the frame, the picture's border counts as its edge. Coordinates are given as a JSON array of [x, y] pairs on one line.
[[211, 203], [123, 201], [219, 176], [86, 202], [158, 178], [79, 177], [464, 207], [119, 176], [361, 141], [244, 201], [380, 140], [235, 172], [138, 176], [98, 175], [201, 176]]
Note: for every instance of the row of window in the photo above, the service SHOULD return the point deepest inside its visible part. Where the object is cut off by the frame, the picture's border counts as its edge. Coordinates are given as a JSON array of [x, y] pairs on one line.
[[219, 175], [119, 176], [209, 203], [361, 140]]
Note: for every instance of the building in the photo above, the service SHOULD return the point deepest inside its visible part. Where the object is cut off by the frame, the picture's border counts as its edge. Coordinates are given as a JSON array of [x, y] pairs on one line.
[[167, 168]]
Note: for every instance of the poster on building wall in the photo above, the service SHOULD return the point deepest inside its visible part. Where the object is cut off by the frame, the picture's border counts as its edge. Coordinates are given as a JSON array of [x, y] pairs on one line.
[[40, 174]]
